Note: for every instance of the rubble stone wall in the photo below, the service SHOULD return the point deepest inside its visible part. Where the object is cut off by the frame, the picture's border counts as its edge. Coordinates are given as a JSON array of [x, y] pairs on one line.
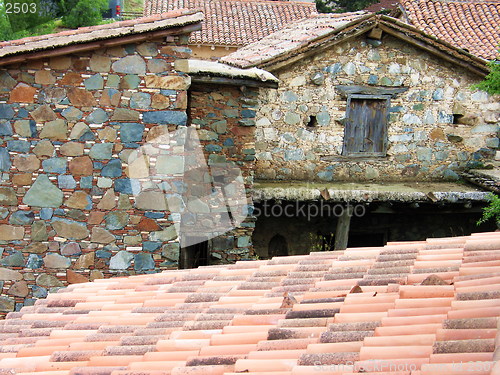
[[86, 141], [439, 126]]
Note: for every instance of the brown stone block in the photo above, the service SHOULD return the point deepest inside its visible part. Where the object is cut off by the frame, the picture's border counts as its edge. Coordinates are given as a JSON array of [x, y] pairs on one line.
[[10, 232], [36, 248], [168, 82], [81, 64], [26, 163], [72, 79], [60, 62], [22, 93], [101, 235], [43, 113], [100, 63], [44, 77], [72, 149], [123, 114], [79, 200], [437, 133], [160, 101], [22, 179], [19, 289], [174, 52], [81, 166], [96, 217], [75, 278], [148, 225], [96, 274], [107, 100], [81, 97], [181, 101], [84, 261]]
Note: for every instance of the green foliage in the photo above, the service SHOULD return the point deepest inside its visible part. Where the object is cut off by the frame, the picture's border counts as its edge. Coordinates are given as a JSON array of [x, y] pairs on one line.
[[85, 13], [491, 83], [342, 6], [492, 211]]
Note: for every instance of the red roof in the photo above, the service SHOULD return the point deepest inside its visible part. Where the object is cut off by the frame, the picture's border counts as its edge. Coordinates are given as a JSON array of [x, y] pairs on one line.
[[473, 25], [236, 22], [383, 5], [422, 308]]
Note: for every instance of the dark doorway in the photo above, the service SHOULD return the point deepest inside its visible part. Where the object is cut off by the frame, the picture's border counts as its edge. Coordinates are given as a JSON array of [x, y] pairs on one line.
[[277, 246], [367, 239], [195, 255]]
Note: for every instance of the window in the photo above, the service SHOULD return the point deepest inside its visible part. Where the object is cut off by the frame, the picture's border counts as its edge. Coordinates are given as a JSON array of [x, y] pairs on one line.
[[365, 131], [194, 255]]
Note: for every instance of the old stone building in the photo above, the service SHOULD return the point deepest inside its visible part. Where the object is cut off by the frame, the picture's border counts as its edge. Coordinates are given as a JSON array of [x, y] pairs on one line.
[[371, 110], [100, 176]]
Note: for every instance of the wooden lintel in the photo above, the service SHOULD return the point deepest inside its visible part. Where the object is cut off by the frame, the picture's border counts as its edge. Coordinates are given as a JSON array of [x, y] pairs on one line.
[[342, 230], [200, 79], [370, 90], [94, 45], [432, 50], [375, 33]]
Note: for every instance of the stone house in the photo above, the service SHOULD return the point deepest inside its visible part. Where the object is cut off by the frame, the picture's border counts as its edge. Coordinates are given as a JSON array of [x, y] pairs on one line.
[[95, 155], [373, 111], [232, 24]]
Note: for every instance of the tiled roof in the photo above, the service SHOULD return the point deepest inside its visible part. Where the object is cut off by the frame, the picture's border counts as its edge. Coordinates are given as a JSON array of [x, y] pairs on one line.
[[473, 24], [90, 34], [426, 308], [292, 37], [236, 22], [383, 5]]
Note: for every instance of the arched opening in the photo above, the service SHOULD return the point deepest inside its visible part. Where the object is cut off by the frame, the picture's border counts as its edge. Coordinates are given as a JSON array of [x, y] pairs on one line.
[[277, 246]]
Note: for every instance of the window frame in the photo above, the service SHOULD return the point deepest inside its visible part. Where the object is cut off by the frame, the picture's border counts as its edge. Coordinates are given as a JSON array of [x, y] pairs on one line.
[[380, 154]]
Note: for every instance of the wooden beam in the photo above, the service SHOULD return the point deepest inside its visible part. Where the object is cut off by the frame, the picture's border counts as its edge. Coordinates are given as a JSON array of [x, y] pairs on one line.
[[94, 45], [370, 90], [200, 79], [342, 231], [432, 50]]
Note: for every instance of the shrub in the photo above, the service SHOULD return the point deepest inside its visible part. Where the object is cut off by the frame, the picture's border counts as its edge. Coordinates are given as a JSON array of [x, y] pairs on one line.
[[85, 13]]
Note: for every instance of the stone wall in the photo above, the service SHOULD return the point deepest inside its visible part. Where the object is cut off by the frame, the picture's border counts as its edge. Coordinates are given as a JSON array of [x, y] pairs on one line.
[[92, 158], [436, 128], [225, 117]]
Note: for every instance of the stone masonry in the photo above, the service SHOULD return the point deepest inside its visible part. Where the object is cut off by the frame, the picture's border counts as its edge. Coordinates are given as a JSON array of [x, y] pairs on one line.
[[85, 139], [437, 127]]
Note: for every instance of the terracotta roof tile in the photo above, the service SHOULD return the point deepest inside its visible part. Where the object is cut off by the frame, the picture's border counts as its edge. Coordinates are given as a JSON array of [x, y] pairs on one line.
[[236, 22], [246, 326], [174, 18], [473, 25]]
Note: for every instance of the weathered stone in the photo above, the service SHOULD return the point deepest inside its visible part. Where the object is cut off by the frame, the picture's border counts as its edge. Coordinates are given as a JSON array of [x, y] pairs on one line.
[[123, 114], [6, 81], [5, 128], [100, 63], [485, 128], [44, 77], [18, 146], [55, 130], [121, 261], [75, 278], [22, 218], [71, 248], [43, 113], [127, 186], [98, 116], [22, 179], [148, 225], [157, 66], [113, 81], [159, 101], [71, 149], [107, 202], [107, 134], [8, 196], [71, 79], [168, 82], [79, 200], [143, 262], [132, 240], [54, 165], [81, 166], [131, 132], [167, 234], [424, 153], [81, 132], [5, 163], [48, 281], [70, 229], [101, 151], [34, 261], [4, 212], [116, 220], [43, 193], [81, 97], [22, 93], [60, 62], [53, 95], [318, 78], [130, 65], [101, 235], [95, 275], [39, 231], [110, 97], [39, 292], [7, 304], [124, 202], [170, 164], [44, 148], [151, 200], [10, 275], [36, 248], [130, 82], [84, 261], [6, 111], [16, 259], [53, 260], [140, 100], [171, 251], [25, 128]]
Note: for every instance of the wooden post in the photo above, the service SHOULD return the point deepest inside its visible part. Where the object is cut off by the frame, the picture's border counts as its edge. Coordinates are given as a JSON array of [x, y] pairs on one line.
[[342, 231]]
